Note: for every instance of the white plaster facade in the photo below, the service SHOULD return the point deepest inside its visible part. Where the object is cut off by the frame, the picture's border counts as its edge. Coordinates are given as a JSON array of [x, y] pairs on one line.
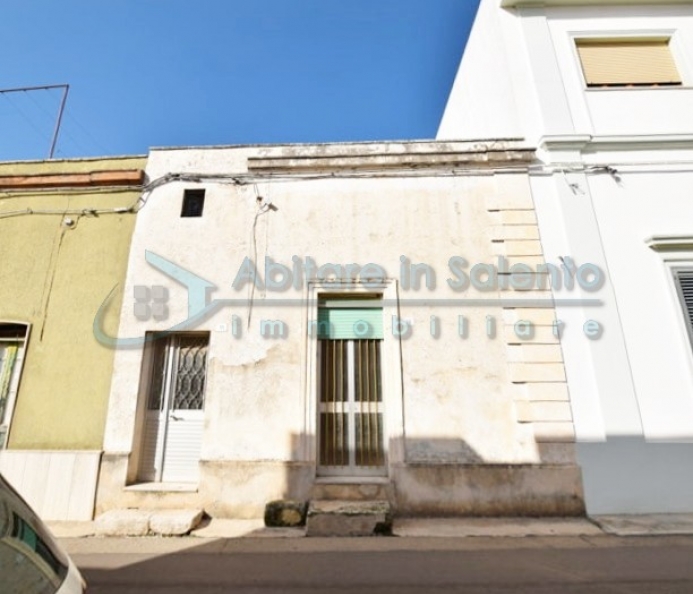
[[472, 423], [616, 171]]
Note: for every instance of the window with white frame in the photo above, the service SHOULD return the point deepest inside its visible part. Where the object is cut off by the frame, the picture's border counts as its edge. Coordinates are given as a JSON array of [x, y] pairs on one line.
[[12, 346], [676, 252], [636, 62], [350, 391]]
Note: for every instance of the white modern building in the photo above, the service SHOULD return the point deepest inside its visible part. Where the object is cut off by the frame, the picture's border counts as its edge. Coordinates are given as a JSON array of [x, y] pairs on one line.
[[309, 322], [604, 91]]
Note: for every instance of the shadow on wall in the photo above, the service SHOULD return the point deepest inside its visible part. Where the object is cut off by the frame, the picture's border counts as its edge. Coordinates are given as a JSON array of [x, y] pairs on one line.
[[438, 477], [422, 477]]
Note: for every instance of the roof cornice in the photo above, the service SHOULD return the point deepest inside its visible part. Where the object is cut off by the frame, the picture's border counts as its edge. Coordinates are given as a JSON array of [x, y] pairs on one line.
[[114, 178]]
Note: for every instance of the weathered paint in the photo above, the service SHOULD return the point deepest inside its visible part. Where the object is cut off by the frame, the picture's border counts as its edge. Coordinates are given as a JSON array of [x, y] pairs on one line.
[[451, 402]]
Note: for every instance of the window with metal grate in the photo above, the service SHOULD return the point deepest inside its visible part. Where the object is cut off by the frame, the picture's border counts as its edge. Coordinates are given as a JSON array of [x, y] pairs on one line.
[[684, 284], [350, 408]]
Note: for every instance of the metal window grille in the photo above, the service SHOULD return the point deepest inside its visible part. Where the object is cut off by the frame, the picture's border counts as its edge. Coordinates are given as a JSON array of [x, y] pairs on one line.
[[179, 365], [351, 439]]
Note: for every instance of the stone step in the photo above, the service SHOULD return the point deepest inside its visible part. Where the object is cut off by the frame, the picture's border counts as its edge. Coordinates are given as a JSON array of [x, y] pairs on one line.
[[141, 522], [156, 496], [348, 518], [356, 491]]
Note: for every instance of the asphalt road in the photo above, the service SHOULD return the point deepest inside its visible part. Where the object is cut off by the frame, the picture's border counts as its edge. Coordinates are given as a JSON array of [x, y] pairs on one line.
[[597, 565]]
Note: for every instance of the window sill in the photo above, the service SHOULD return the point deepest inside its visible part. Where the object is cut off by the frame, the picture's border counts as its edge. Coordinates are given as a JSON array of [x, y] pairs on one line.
[[163, 487], [352, 480], [667, 88]]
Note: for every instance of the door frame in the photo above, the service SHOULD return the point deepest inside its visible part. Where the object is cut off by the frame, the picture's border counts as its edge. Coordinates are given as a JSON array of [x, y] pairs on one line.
[[391, 370], [171, 358]]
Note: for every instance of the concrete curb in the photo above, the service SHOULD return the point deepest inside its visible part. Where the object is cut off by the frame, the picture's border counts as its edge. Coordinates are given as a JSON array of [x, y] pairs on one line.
[[620, 526]]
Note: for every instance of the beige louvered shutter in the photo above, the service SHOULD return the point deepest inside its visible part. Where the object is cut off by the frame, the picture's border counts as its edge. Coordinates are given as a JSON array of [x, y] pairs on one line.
[[635, 62]]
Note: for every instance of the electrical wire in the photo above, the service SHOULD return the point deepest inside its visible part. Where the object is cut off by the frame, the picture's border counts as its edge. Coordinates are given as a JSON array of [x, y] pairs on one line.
[[262, 209], [64, 130], [76, 191], [26, 118], [40, 107], [77, 211], [242, 179], [79, 146], [86, 132]]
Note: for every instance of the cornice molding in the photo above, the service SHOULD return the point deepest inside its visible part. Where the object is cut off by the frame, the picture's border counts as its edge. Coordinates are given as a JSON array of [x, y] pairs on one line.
[[115, 178], [670, 243], [585, 143]]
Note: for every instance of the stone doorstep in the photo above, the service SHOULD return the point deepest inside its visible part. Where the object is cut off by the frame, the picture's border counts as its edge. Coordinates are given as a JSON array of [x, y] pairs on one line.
[[140, 522], [348, 518], [342, 491]]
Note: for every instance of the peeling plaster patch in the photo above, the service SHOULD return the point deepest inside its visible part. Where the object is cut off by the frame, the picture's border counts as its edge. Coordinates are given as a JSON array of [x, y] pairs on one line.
[[253, 352]]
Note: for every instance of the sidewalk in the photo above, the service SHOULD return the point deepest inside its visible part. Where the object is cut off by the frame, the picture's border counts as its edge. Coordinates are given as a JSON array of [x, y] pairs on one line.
[[624, 525]]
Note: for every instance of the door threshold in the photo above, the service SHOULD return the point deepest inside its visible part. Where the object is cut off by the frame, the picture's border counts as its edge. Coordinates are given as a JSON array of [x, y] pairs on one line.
[[163, 487]]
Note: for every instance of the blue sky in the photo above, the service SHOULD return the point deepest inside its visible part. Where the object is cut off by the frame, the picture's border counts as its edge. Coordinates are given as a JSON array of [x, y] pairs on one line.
[[148, 73]]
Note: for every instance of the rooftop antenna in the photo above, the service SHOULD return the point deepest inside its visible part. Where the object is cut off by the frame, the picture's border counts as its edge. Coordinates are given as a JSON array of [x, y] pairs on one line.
[[61, 109]]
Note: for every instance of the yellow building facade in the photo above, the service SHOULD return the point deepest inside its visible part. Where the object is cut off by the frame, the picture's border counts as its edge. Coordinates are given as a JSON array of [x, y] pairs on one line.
[[65, 230]]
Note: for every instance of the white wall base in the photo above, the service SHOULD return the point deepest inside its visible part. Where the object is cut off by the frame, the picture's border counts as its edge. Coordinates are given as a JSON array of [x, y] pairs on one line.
[[631, 476], [59, 485]]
